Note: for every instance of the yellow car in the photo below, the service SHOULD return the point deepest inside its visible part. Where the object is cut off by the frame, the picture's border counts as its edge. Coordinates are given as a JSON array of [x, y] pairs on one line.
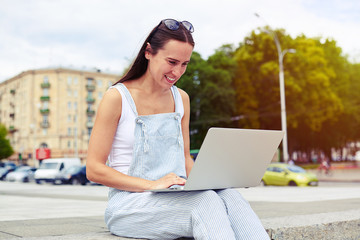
[[281, 174]]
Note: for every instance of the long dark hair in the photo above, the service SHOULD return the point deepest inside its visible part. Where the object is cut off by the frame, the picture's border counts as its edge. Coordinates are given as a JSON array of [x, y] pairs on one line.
[[157, 38]]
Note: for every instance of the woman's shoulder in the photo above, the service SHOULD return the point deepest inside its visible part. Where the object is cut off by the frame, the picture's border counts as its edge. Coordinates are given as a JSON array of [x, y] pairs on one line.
[[183, 94], [111, 98], [113, 93]]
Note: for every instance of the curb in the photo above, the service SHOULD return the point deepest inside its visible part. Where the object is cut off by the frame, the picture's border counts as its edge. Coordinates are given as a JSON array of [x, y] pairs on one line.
[[344, 230]]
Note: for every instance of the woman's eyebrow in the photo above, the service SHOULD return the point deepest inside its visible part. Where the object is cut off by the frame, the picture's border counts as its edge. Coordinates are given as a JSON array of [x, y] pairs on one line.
[[175, 60]]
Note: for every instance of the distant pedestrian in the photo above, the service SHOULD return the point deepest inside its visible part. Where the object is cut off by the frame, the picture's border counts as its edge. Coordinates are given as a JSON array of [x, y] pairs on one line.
[[142, 131]]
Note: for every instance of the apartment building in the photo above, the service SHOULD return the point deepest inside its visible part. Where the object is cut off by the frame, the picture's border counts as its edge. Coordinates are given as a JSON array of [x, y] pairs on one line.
[[52, 110]]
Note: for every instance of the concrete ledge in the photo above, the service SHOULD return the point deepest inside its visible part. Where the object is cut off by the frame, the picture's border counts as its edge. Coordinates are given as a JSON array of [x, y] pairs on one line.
[[29, 211], [347, 230], [334, 225]]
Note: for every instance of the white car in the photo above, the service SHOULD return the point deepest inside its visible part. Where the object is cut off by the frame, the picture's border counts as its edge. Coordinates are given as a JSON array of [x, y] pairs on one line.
[[51, 167], [21, 174]]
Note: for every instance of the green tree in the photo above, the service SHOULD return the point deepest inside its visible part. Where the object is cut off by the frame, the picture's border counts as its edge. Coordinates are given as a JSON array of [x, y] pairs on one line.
[[5, 147], [240, 87], [257, 82], [208, 84], [346, 84], [315, 104], [311, 101]]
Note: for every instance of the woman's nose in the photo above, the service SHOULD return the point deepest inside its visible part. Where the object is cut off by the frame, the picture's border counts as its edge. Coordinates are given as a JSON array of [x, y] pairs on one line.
[[177, 71]]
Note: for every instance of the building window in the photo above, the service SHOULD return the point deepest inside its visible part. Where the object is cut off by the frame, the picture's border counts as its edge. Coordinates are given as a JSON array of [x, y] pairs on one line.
[[45, 92], [69, 93], [75, 131], [110, 84], [69, 105], [100, 95], [45, 105], [75, 93], [69, 80], [89, 131], [76, 80], [99, 83], [44, 131], [75, 106], [69, 132], [69, 118], [46, 79], [69, 144], [43, 145], [90, 81], [75, 118]]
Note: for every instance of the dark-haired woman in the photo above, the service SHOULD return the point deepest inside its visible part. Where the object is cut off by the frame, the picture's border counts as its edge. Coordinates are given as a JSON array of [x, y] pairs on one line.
[[140, 141]]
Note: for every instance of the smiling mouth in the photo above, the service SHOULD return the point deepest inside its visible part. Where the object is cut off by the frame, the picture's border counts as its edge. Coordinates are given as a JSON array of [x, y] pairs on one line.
[[170, 80]]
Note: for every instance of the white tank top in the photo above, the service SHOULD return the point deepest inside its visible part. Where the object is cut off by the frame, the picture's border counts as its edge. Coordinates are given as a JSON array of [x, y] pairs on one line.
[[122, 148]]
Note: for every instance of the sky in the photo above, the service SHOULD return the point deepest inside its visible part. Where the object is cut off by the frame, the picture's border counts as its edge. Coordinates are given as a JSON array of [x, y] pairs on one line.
[[107, 34]]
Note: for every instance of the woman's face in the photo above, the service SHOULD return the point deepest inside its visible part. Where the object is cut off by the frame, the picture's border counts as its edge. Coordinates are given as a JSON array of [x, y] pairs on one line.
[[170, 62]]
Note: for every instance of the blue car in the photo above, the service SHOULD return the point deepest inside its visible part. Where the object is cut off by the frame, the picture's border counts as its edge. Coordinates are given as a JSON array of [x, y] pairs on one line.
[[3, 172], [74, 175]]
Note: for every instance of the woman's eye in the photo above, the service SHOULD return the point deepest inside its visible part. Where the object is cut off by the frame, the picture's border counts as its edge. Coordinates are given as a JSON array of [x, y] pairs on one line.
[[172, 62]]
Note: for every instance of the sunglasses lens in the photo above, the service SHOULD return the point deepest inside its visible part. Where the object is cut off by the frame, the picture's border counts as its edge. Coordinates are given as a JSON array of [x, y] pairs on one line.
[[172, 24], [188, 26]]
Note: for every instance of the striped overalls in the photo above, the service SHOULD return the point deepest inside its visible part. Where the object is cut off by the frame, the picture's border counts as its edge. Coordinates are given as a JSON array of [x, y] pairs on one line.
[[159, 150]]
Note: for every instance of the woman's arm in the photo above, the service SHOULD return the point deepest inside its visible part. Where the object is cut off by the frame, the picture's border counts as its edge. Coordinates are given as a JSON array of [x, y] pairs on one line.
[[100, 144], [189, 162]]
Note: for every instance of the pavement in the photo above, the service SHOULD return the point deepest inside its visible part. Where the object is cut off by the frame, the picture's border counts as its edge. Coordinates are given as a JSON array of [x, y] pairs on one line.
[[329, 211]]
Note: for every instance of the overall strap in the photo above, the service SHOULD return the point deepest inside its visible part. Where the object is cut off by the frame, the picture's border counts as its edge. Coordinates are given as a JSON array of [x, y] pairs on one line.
[[177, 96], [128, 97], [174, 90]]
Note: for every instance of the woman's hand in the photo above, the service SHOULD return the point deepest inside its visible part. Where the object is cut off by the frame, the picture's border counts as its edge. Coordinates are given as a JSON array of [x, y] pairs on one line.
[[167, 181]]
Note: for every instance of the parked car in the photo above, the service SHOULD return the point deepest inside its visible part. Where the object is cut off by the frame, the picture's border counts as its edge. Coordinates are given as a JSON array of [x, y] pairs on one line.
[[21, 174], [9, 165], [3, 172], [74, 175], [50, 168], [282, 174]]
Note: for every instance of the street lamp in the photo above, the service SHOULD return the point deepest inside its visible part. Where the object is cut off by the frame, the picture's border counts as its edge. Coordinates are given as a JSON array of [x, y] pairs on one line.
[[281, 54]]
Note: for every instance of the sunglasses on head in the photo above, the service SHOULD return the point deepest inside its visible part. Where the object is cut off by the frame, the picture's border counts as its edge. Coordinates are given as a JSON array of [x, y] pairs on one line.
[[174, 25]]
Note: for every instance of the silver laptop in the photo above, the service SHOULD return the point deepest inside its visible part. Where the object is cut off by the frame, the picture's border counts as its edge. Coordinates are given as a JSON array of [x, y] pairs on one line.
[[231, 158]]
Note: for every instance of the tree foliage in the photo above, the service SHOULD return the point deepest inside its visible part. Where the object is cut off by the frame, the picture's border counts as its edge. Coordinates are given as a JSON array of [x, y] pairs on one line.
[[5, 147], [208, 84], [239, 87]]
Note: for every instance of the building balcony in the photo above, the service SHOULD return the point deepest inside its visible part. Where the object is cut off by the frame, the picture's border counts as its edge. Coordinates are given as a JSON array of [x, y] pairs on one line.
[[45, 98], [12, 129], [90, 87], [89, 124], [45, 124], [12, 91], [90, 112], [45, 111], [90, 100], [12, 115], [45, 85]]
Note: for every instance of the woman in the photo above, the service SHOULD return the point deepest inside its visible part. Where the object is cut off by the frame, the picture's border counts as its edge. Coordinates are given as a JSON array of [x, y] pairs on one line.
[[142, 130]]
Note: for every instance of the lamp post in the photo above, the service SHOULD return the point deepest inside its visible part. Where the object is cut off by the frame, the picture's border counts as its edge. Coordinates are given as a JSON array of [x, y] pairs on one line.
[[281, 54], [282, 99]]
